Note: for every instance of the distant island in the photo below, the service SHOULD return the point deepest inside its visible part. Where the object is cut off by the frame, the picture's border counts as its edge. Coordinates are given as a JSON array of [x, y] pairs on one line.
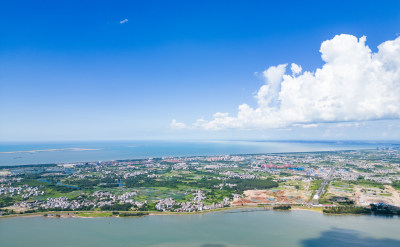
[[338, 182]]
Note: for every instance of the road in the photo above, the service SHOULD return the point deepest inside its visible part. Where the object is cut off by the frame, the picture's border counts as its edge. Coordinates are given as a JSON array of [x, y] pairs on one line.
[[321, 188]]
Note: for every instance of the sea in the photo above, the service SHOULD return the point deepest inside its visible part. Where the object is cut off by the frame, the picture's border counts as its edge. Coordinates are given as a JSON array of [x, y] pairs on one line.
[[12, 154], [231, 228]]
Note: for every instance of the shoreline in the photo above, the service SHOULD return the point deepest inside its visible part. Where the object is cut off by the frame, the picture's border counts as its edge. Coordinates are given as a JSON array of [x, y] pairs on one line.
[[75, 214], [330, 149], [51, 150], [109, 214]]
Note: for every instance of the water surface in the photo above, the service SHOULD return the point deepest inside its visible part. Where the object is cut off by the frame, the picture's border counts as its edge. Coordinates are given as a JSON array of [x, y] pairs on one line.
[[220, 229], [42, 153]]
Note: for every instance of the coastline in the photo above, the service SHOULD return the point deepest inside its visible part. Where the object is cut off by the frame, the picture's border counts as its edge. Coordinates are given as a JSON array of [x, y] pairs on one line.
[[100, 214], [51, 150], [151, 150], [109, 214]]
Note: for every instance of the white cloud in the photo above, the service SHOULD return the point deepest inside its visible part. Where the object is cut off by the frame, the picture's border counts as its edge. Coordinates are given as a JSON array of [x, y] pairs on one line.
[[307, 126], [353, 85], [177, 125], [123, 21], [347, 125], [296, 69]]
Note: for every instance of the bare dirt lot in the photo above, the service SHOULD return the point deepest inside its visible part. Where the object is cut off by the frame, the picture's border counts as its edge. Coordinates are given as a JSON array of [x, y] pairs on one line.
[[272, 196]]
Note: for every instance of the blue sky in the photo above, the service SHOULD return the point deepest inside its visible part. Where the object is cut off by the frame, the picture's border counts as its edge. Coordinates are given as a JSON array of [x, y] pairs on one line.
[[72, 71]]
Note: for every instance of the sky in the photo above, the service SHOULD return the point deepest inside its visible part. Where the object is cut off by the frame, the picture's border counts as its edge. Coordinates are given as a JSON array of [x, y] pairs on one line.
[[129, 70]]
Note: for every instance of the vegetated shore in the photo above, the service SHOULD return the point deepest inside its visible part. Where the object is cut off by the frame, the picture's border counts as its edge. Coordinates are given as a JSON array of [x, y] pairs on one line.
[[102, 214]]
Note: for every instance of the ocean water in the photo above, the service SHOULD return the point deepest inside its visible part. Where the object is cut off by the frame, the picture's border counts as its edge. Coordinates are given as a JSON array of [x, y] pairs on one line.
[[219, 229], [42, 153]]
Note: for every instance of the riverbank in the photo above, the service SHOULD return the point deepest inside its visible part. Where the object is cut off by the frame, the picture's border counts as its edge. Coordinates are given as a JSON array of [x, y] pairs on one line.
[[124, 214], [102, 214], [230, 228]]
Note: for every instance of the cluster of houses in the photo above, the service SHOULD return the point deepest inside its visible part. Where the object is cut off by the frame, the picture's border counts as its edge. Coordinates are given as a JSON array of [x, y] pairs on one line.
[[103, 198], [52, 203], [194, 205], [97, 200], [220, 186], [180, 166], [231, 174], [318, 166], [305, 167], [25, 191]]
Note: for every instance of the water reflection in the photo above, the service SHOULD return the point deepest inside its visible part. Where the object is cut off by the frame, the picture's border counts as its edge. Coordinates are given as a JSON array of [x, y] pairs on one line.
[[347, 238], [212, 245]]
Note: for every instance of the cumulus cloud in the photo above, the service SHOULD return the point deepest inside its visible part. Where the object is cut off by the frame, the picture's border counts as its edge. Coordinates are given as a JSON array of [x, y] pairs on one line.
[[123, 21], [177, 125], [354, 84], [296, 69]]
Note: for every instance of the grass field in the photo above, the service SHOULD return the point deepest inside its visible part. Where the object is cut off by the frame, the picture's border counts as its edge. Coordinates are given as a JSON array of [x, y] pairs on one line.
[[94, 214]]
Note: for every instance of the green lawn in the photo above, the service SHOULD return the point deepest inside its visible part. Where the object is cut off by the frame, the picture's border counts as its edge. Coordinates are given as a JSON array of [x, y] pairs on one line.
[[95, 214], [315, 184]]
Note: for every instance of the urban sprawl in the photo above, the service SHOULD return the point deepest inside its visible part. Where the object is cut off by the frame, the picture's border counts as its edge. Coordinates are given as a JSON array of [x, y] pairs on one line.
[[365, 181]]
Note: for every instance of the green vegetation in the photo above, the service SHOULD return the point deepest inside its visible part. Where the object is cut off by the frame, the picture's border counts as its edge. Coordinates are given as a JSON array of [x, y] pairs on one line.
[[315, 184], [6, 201], [120, 207], [95, 214], [347, 210], [364, 170], [189, 184], [282, 207], [136, 214], [148, 207], [203, 183], [396, 184], [216, 195], [251, 184], [363, 182], [344, 201], [145, 181], [382, 209], [85, 183]]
